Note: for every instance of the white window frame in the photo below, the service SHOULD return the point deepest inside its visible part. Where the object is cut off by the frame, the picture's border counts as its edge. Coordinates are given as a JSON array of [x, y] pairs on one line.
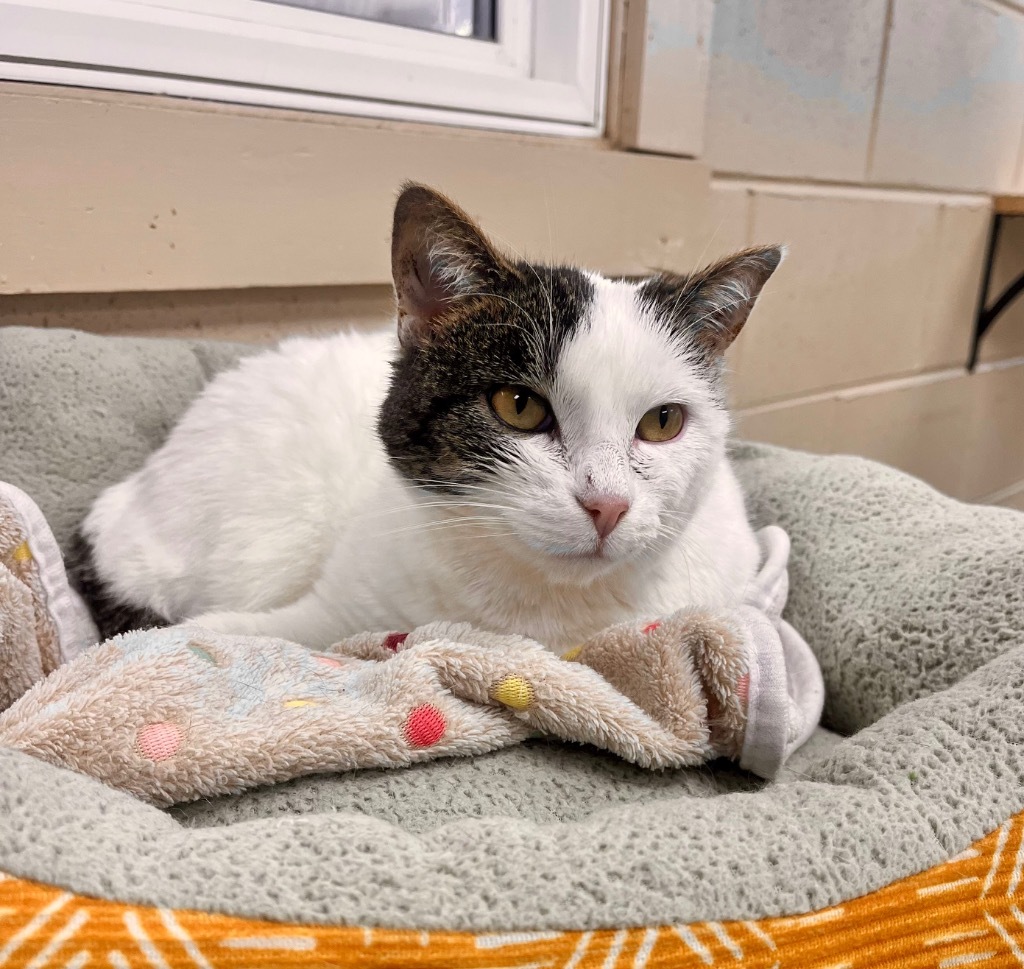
[[545, 74]]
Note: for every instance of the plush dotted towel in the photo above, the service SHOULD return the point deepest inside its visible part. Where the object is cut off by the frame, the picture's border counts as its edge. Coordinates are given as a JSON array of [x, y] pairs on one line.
[[182, 713]]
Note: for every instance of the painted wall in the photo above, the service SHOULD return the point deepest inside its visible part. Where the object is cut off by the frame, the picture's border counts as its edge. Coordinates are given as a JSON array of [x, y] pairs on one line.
[[870, 136]]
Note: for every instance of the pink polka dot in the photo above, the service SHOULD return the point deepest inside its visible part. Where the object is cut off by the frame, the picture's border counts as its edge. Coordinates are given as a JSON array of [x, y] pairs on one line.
[[425, 727], [743, 688], [395, 640], [650, 627], [159, 741], [327, 660]]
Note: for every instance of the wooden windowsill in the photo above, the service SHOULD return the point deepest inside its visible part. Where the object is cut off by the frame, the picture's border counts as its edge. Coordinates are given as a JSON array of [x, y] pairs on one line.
[[104, 192]]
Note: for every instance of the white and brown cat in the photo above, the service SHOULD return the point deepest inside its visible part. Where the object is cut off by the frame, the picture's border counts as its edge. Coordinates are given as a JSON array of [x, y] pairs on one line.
[[537, 449]]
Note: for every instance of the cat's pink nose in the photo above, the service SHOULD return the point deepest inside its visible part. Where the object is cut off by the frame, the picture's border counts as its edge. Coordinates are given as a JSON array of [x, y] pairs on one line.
[[607, 512]]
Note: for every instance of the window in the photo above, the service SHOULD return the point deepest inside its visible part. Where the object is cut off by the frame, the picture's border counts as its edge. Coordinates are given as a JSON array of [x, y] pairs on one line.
[[524, 65], [463, 18]]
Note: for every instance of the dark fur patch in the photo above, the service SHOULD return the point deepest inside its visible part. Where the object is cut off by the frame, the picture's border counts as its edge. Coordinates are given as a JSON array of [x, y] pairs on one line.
[[435, 423], [112, 615], [471, 319]]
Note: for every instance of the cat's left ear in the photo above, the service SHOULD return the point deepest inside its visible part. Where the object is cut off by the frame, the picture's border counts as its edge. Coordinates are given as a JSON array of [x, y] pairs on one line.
[[712, 305], [438, 254]]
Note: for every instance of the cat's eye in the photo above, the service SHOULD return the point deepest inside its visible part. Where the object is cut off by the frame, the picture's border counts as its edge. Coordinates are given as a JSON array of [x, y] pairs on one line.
[[661, 423], [521, 408]]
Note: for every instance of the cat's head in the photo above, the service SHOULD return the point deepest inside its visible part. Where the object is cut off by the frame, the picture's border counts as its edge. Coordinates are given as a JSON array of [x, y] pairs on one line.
[[579, 419]]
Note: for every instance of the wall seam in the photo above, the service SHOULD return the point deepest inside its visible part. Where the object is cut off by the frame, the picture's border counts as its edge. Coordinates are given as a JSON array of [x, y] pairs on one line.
[[769, 183], [883, 62], [871, 388]]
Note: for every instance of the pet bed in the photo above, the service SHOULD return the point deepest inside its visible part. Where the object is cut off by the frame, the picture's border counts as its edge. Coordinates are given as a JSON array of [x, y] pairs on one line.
[[894, 837]]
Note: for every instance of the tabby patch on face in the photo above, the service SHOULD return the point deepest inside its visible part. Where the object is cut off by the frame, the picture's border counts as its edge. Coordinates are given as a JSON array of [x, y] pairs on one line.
[[470, 320], [436, 422]]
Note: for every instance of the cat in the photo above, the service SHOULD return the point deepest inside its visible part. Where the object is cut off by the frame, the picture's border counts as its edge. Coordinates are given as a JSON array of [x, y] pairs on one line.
[[537, 449]]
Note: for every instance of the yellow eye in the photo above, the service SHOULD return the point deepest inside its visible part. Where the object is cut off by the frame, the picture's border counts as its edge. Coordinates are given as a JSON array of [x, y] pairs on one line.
[[521, 408], [661, 423]]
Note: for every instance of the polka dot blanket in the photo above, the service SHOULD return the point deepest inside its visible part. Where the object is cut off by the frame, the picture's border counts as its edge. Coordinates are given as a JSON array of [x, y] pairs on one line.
[[181, 713]]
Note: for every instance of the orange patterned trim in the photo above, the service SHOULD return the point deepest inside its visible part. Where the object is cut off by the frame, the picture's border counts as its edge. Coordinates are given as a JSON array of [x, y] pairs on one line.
[[967, 912]]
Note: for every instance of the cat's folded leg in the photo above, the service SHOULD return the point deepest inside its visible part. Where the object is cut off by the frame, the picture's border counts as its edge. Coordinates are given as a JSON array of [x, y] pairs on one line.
[[304, 621]]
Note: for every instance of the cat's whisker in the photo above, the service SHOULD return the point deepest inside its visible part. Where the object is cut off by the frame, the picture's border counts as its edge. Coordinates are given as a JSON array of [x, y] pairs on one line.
[[548, 293], [435, 524], [689, 574], [458, 505], [507, 324], [551, 255], [672, 542], [468, 487], [525, 262], [684, 520], [425, 484], [506, 299], [441, 526], [471, 505], [530, 334], [453, 505], [720, 308], [451, 522], [710, 242], [467, 497]]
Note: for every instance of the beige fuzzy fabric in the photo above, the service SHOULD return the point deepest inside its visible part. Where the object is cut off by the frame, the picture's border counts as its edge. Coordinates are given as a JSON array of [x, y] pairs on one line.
[[29, 647], [178, 714]]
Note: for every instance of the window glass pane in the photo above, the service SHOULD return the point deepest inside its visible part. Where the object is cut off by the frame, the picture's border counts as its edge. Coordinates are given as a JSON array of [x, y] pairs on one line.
[[460, 18]]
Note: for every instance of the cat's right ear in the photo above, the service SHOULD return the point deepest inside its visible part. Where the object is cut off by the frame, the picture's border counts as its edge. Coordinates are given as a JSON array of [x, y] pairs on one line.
[[438, 254]]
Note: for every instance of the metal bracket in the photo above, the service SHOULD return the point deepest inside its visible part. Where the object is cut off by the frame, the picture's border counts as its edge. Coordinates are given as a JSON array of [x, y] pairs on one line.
[[987, 315]]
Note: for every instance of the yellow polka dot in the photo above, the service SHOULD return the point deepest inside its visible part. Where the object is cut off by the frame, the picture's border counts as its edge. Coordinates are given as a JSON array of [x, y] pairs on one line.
[[573, 654], [514, 692], [300, 703], [22, 553]]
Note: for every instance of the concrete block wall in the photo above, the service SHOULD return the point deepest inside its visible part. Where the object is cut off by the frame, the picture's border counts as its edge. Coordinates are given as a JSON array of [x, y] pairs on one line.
[[923, 93], [870, 136]]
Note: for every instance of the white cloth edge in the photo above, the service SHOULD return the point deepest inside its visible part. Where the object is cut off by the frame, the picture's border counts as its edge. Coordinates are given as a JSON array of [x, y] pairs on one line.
[[75, 628], [787, 692]]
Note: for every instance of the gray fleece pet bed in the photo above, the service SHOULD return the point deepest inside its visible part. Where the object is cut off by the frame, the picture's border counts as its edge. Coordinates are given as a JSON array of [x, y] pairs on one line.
[[913, 603]]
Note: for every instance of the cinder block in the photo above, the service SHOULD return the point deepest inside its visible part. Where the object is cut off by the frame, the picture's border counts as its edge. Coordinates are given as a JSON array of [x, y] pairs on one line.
[[918, 428], [877, 284], [730, 214], [720, 226], [958, 432], [922, 427], [792, 87], [807, 424], [953, 96], [994, 451]]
